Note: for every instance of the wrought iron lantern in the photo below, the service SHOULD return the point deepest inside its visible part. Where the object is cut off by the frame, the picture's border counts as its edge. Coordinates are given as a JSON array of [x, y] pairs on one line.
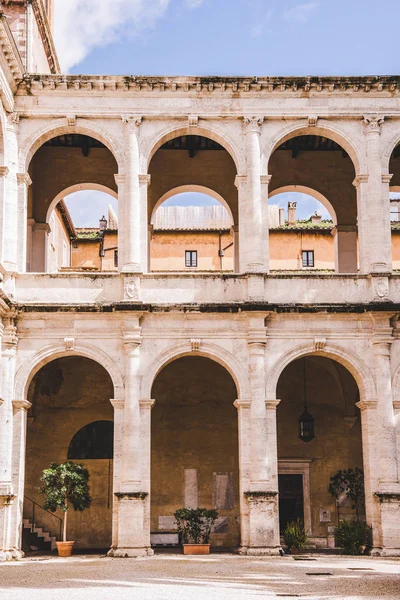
[[306, 421]]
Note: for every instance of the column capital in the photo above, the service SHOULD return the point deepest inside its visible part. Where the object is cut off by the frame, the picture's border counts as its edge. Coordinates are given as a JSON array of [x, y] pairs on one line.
[[117, 403], [240, 180], [241, 403], [24, 178], [132, 341], [253, 124], [10, 337], [132, 122], [367, 405], [381, 342], [119, 179], [21, 405], [373, 123], [272, 404], [147, 403], [387, 177], [359, 179], [42, 227], [4, 171], [265, 179], [145, 179]]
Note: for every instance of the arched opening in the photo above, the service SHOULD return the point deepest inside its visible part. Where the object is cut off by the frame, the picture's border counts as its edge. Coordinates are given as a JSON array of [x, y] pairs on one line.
[[191, 229], [394, 200], [193, 164], [83, 230], [328, 392], [301, 222], [66, 163], [71, 418], [194, 455], [323, 165]]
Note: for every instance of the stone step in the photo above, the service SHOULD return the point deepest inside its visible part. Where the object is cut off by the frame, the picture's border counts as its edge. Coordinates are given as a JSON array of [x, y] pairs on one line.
[[38, 531]]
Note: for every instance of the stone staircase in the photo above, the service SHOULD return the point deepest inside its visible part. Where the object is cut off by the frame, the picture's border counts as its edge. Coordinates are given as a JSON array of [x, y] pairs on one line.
[[34, 538]]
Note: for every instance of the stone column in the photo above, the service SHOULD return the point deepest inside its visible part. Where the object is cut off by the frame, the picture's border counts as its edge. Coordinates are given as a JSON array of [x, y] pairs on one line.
[[144, 182], [364, 257], [130, 226], [382, 488], [378, 204], [346, 248], [24, 181], [11, 234], [262, 497], [118, 406], [130, 538], [3, 175], [20, 409], [265, 180], [250, 203], [145, 419], [244, 424], [40, 234], [120, 181]]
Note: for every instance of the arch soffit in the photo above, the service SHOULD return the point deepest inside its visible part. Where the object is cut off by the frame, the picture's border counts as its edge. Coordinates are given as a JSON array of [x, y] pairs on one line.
[[32, 144], [79, 187], [211, 351], [311, 192], [348, 359], [325, 129], [45, 355], [191, 188], [213, 133]]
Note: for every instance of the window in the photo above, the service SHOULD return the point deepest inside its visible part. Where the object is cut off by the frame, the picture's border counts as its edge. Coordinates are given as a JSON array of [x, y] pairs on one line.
[[308, 258], [115, 258], [191, 258]]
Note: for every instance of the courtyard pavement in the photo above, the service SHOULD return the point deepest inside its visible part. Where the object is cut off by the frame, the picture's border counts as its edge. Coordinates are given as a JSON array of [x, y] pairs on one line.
[[214, 577]]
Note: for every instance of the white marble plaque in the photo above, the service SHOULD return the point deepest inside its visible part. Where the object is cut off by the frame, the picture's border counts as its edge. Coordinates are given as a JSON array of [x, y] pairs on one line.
[[190, 489], [223, 490]]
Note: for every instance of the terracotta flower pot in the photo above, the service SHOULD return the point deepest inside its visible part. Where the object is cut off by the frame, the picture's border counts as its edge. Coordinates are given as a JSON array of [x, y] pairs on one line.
[[65, 548], [196, 548], [295, 550]]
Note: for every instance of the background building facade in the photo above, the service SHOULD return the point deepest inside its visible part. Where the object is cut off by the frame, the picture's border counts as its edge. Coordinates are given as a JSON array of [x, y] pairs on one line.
[[203, 375]]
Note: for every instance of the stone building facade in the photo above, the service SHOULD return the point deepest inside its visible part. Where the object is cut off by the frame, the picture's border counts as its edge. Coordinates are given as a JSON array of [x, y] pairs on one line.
[[203, 375]]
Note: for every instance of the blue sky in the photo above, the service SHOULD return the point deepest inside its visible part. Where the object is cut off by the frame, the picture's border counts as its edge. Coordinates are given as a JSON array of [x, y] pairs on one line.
[[224, 37]]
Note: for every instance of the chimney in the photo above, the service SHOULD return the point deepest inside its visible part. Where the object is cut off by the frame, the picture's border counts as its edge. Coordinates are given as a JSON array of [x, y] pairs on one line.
[[281, 217], [291, 209], [316, 218]]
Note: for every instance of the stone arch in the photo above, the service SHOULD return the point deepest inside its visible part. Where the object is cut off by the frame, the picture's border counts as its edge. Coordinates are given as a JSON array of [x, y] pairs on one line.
[[78, 188], [211, 351], [41, 136], [323, 128], [358, 369], [209, 131], [192, 188], [41, 357], [388, 151], [311, 192]]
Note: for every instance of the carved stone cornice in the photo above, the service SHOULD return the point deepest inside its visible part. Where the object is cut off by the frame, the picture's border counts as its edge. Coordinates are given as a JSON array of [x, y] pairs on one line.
[[387, 177], [367, 405], [119, 179], [373, 123], [240, 181], [242, 403], [272, 404], [265, 179], [359, 179], [147, 403], [4, 171], [145, 179]]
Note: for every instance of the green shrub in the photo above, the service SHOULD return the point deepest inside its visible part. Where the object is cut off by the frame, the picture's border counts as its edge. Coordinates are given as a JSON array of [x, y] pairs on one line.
[[353, 537], [195, 524], [295, 535]]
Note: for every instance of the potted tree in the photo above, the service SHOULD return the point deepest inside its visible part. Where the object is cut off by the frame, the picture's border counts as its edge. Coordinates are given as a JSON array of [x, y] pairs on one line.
[[65, 485], [194, 528]]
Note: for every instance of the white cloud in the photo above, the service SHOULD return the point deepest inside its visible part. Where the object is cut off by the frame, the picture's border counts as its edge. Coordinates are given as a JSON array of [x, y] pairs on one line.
[[300, 13], [259, 28], [193, 3], [81, 25]]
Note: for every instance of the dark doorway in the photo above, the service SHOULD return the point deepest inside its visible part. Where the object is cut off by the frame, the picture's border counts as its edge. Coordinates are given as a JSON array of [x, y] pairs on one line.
[[291, 499]]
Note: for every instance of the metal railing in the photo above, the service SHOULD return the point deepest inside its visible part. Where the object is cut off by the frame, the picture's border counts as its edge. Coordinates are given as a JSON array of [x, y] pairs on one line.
[[32, 515]]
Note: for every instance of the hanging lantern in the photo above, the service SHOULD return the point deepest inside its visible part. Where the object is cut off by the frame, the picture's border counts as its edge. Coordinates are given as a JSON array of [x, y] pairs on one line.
[[306, 421]]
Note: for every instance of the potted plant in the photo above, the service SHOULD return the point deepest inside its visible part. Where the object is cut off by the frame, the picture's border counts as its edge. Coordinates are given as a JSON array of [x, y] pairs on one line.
[[194, 528], [65, 485], [295, 536], [353, 537]]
